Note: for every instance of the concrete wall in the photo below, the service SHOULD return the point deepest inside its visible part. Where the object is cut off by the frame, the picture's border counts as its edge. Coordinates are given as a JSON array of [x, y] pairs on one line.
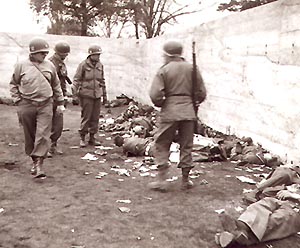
[[249, 61]]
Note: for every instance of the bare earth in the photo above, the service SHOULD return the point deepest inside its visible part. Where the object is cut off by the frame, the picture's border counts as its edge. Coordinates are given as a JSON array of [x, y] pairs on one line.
[[74, 209]]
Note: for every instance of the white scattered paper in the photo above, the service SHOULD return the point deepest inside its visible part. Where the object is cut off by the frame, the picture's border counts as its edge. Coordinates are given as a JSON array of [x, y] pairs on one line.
[[219, 211], [246, 179], [123, 201], [124, 209], [89, 156]]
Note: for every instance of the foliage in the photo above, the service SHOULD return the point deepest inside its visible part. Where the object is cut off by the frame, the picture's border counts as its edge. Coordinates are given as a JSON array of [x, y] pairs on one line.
[[70, 16], [152, 15], [241, 5], [80, 17]]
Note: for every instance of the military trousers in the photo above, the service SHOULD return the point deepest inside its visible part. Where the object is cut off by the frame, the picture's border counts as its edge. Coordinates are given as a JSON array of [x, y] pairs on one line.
[[36, 120], [164, 137], [280, 176], [271, 219], [57, 125], [90, 113]]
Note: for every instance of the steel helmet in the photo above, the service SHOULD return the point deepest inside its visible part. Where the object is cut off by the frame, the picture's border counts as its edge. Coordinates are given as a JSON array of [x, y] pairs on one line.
[[62, 47], [37, 45], [172, 49], [94, 49]]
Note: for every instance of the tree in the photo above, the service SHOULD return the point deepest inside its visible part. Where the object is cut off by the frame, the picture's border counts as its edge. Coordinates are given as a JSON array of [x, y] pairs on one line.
[[241, 5], [152, 15], [78, 15]]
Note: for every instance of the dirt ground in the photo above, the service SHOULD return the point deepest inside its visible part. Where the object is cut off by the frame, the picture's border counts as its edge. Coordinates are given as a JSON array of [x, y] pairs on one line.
[[71, 208]]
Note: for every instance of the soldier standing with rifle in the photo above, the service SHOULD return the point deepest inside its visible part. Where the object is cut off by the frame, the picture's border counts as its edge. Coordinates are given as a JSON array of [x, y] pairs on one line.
[[62, 50], [174, 91]]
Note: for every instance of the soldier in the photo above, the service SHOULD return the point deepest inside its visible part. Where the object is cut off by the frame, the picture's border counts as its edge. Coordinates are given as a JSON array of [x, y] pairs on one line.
[[89, 86], [172, 90], [62, 50], [34, 87]]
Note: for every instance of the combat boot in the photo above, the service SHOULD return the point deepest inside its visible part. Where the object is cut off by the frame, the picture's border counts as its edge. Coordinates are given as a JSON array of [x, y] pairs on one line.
[[54, 149], [93, 141], [33, 168], [186, 183], [82, 141], [39, 168], [161, 184]]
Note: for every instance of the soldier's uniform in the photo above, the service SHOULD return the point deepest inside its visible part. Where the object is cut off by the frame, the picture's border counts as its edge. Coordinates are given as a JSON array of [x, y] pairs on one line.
[[89, 85], [34, 86], [172, 90], [62, 49]]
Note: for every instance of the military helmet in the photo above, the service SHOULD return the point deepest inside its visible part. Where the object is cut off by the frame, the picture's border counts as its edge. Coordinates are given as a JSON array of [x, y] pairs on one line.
[[94, 49], [62, 47], [173, 48], [37, 45]]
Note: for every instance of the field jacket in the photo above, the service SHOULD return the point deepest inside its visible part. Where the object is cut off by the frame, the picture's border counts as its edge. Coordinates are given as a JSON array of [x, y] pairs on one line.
[[172, 90], [89, 80], [35, 82], [61, 71]]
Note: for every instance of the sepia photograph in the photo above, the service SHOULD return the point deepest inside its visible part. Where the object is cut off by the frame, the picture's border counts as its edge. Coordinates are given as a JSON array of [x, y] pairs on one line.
[[149, 124]]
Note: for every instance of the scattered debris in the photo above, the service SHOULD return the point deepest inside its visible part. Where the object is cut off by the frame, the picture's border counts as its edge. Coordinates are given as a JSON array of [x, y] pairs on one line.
[[246, 179], [90, 157], [220, 211], [239, 209], [100, 152], [74, 147], [124, 209], [101, 174], [121, 172], [13, 144], [123, 201], [174, 178]]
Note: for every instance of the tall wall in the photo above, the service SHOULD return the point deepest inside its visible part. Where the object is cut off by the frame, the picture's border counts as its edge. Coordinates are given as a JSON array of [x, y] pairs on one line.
[[250, 62]]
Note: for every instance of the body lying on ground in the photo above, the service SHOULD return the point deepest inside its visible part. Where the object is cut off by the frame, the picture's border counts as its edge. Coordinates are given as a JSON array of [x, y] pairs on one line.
[[270, 218]]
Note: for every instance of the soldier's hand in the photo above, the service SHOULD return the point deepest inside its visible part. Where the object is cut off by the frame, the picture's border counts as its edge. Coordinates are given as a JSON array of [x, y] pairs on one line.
[[69, 94], [75, 100], [60, 109]]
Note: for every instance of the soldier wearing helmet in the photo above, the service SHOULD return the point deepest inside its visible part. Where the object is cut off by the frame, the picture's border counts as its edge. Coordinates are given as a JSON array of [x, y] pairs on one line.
[[34, 87], [172, 91], [61, 51], [89, 86]]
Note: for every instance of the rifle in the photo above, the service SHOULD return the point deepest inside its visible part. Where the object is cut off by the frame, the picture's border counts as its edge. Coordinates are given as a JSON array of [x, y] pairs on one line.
[[194, 80], [197, 125], [194, 86], [68, 80]]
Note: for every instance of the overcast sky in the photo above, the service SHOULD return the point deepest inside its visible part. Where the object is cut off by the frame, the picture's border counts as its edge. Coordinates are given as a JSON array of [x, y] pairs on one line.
[[16, 16]]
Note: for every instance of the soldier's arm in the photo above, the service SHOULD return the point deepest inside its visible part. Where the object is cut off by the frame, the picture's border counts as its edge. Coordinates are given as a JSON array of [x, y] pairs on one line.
[[77, 80], [56, 88], [14, 84], [157, 90]]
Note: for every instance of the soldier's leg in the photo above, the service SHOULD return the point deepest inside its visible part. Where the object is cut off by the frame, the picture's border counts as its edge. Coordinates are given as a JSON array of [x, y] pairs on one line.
[[86, 113], [27, 115], [43, 130], [94, 122], [56, 131], [186, 135], [161, 152]]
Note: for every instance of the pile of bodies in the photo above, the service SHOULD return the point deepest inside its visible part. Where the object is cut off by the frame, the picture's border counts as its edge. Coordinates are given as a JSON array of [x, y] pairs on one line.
[[135, 127]]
